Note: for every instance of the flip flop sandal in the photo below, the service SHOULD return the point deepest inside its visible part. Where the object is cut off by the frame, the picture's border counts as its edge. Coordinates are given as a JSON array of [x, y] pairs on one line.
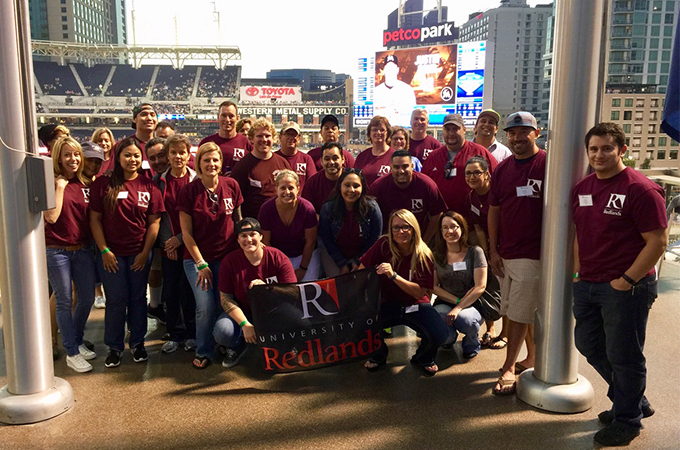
[[428, 369], [486, 340], [503, 384], [519, 368], [201, 362], [372, 365], [498, 343]]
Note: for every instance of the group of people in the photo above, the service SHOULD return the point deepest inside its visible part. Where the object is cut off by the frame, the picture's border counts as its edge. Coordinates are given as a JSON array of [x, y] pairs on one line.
[[455, 222]]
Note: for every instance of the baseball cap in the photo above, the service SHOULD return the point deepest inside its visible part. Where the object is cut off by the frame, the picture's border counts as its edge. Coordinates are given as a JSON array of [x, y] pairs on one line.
[[521, 119], [492, 113], [247, 224], [139, 108], [455, 119], [391, 59], [290, 126], [330, 118], [92, 150]]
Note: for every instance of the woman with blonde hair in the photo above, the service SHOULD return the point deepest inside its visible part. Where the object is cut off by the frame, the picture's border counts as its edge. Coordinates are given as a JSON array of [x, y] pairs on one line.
[[104, 138], [406, 265], [69, 252]]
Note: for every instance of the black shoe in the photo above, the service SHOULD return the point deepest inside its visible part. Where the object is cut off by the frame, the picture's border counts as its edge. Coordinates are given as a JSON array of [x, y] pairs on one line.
[[232, 357], [55, 352], [113, 359], [607, 417], [156, 313], [139, 354], [89, 345], [447, 346], [616, 434]]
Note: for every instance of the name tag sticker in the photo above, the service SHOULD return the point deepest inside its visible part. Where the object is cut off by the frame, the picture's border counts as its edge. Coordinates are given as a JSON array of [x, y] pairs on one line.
[[524, 191], [475, 210], [585, 200], [255, 183], [123, 194], [145, 165], [411, 309], [459, 266]]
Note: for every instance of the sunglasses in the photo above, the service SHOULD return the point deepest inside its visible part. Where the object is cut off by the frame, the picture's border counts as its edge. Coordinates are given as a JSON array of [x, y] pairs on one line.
[[351, 170]]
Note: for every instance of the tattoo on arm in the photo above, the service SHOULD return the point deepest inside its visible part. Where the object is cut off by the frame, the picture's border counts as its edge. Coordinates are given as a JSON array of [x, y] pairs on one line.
[[228, 302]]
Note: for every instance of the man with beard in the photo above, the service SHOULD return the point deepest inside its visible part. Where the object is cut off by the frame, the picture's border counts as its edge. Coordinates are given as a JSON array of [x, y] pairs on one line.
[[330, 132], [486, 128], [320, 186]]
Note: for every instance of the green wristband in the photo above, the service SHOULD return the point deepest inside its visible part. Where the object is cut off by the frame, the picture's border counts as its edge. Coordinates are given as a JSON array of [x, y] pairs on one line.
[[577, 275], [202, 266], [242, 324], [106, 250]]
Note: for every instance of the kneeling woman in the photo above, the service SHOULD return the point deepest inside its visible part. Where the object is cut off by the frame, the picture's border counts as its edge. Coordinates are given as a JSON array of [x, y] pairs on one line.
[[252, 264], [405, 263], [459, 280]]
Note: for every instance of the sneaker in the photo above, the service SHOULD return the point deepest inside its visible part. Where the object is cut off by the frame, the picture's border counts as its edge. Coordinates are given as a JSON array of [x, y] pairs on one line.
[[190, 345], [99, 302], [170, 347], [232, 357], [616, 434], [113, 359], [156, 313], [86, 352], [607, 417], [78, 363], [139, 354]]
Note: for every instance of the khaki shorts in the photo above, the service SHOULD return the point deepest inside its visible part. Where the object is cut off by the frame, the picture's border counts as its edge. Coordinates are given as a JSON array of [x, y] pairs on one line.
[[520, 289]]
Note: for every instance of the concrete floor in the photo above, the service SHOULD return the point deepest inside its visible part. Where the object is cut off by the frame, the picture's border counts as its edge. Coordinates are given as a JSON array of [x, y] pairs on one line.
[[166, 404]]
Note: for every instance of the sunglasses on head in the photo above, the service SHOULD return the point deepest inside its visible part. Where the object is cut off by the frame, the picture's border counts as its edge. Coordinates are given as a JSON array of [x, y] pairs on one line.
[[351, 170]]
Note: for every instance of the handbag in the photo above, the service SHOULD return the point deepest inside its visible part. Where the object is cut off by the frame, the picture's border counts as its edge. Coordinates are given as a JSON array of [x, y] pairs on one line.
[[489, 303]]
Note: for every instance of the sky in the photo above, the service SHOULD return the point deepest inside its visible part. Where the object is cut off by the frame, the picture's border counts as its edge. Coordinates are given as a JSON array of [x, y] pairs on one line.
[[275, 34]]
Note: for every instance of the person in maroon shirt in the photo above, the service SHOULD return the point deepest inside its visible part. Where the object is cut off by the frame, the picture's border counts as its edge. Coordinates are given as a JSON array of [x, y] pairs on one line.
[[446, 164], [209, 206], [125, 213], [144, 121], [515, 221], [406, 189], [300, 163], [104, 138], [252, 264], [406, 265], [289, 223], [69, 253], [375, 161], [176, 291], [422, 144], [621, 232], [234, 146], [256, 172], [330, 132], [320, 186]]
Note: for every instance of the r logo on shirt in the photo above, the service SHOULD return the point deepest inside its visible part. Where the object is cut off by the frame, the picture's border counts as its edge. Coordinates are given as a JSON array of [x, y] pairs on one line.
[[271, 280], [301, 169], [143, 199], [535, 185], [86, 194], [228, 205], [426, 153], [416, 204], [615, 204], [239, 153], [384, 170]]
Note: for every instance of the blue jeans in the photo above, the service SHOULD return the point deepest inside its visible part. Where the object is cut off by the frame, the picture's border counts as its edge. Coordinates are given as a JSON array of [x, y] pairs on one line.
[[468, 322], [208, 307], [180, 320], [610, 332], [228, 333], [125, 302], [63, 267], [425, 320]]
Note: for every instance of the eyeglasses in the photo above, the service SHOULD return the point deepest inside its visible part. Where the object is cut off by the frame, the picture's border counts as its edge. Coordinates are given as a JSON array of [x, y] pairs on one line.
[[474, 174], [351, 170], [399, 228], [450, 228]]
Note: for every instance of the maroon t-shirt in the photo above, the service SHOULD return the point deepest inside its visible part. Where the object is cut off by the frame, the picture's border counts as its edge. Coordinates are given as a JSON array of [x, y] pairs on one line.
[[380, 253], [373, 167], [125, 227], [146, 167], [212, 221], [422, 149], [233, 150], [349, 238], [173, 186], [256, 179], [318, 189], [517, 188], [421, 197], [290, 239], [315, 154], [453, 187], [478, 210], [73, 225], [610, 217], [236, 273], [302, 165]]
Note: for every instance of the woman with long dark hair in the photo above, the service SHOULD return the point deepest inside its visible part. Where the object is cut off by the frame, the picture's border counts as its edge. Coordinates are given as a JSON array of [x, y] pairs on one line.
[[350, 222], [125, 211]]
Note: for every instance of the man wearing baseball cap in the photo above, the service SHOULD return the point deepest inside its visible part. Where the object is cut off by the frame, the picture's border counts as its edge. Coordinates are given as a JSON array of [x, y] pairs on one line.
[[330, 132], [486, 128], [301, 163], [144, 121], [515, 221], [393, 98], [446, 165]]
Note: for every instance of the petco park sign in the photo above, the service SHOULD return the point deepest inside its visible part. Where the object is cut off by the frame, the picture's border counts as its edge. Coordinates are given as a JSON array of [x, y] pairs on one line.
[[268, 93], [418, 36]]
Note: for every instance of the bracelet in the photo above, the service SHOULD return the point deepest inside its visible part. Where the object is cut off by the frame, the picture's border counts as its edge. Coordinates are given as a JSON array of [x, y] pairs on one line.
[[394, 275], [106, 250], [577, 275], [302, 267], [242, 324], [629, 280], [202, 266]]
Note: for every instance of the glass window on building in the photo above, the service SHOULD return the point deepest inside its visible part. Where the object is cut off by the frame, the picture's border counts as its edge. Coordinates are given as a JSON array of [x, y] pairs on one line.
[[616, 102], [651, 79], [654, 43], [650, 142], [637, 141], [656, 19], [653, 55], [627, 115], [651, 128], [615, 115], [663, 80], [663, 140], [667, 44], [639, 30], [668, 31], [635, 154], [673, 154], [650, 154], [651, 67], [65, 35], [637, 128], [639, 115], [661, 154], [674, 143], [657, 5], [665, 55], [628, 103], [626, 128], [627, 143], [656, 30], [640, 103], [668, 18], [670, 6], [665, 68]]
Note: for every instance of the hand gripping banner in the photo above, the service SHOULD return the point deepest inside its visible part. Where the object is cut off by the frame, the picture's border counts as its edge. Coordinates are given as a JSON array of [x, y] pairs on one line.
[[315, 324]]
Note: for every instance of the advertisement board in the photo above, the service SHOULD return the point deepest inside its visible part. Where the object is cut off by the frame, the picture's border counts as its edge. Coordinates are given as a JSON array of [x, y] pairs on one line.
[[269, 94]]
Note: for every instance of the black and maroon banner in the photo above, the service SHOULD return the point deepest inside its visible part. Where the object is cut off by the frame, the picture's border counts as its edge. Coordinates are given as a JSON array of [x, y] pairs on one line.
[[318, 323]]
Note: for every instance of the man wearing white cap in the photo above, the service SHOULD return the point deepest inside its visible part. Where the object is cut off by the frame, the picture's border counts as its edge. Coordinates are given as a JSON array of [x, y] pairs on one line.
[[486, 128], [515, 221], [393, 98], [301, 163]]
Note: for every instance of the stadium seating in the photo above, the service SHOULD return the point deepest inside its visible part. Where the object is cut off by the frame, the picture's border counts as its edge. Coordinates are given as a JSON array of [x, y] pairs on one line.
[[55, 79], [128, 81]]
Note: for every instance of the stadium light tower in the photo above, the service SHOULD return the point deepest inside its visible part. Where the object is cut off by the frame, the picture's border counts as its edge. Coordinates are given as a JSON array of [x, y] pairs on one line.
[[216, 15]]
